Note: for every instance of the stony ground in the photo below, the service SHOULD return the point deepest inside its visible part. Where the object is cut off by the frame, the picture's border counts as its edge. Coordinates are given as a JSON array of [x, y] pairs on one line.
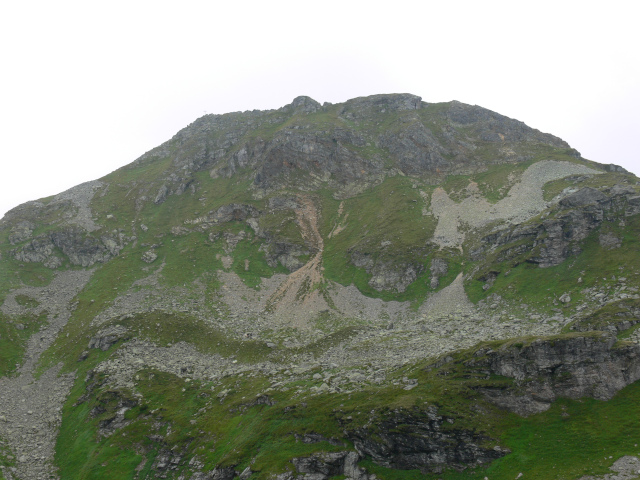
[[524, 200], [29, 406], [625, 468], [285, 316]]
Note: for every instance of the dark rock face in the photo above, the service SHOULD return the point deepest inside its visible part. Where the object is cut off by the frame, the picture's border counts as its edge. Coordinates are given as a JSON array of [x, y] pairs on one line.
[[584, 196], [407, 440], [108, 337], [560, 235], [285, 254], [79, 247], [416, 149], [293, 152], [422, 141], [326, 465], [493, 127], [546, 369], [363, 107], [552, 241]]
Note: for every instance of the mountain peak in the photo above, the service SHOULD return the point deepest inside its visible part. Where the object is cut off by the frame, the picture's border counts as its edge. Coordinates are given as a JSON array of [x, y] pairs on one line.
[[324, 290]]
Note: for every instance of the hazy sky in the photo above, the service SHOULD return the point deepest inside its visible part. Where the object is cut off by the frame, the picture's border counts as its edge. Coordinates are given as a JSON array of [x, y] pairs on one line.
[[87, 87]]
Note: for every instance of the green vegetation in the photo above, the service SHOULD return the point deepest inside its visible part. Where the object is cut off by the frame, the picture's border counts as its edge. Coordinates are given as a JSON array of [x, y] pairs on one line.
[[14, 274], [389, 212], [610, 315], [573, 438], [593, 267], [239, 421], [6, 457], [14, 333], [26, 301], [608, 179], [372, 230]]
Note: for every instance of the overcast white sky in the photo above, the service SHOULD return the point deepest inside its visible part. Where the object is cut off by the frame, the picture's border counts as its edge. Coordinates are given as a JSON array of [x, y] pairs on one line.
[[87, 87]]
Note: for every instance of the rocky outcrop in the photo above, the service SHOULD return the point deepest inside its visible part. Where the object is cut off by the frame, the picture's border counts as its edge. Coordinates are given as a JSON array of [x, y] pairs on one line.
[[107, 337], [323, 466], [409, 440], [572, 366], [79, 247], [384, 274], [551, 241], [363, 107], [281, 148], [439, 267], [233, 212], [20, 232]]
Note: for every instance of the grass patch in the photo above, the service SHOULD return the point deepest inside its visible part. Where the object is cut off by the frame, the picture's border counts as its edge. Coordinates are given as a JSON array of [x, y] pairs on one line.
[[390, 212], [573, 438], [605, 179], [14, 334], [541, 287]]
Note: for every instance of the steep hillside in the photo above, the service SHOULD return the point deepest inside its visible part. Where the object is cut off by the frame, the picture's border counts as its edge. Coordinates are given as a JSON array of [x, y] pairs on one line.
[[384, 288]]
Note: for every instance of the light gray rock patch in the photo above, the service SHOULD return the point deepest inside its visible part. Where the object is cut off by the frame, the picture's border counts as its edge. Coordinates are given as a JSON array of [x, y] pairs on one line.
[[81, 196], [32, 406], [524, 200]]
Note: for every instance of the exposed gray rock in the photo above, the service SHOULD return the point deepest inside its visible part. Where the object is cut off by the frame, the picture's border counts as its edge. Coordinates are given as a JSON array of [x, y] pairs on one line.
[[161, 196], [303, 104], [322, 466], [415, 440], [149, 256], [584, 196], [78, 246], [439, 268], [107, 337], [21, 231], [572, 367], [609, 241]]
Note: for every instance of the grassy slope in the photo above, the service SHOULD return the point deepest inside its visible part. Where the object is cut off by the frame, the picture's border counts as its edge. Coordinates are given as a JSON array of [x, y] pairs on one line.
[[13, 340], [573, 438], [595, 265], [385, 212], [221, 425]]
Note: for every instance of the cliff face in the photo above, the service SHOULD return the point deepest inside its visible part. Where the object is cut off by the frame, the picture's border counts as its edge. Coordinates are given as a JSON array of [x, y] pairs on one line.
[[569, 367], [355, 289]]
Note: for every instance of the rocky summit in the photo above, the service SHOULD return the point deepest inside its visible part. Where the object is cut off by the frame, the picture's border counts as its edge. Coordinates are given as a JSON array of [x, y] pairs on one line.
[[384, 288]]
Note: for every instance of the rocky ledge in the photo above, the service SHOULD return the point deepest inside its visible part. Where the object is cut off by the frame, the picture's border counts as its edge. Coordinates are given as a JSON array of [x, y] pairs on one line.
[[572, 366]]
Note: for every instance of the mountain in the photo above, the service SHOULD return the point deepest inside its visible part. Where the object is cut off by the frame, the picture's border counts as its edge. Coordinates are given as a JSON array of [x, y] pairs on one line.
[[384, 288]]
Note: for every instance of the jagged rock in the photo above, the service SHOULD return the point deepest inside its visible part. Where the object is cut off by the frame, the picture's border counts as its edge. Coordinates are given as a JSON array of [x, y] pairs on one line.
[[384, 275], [37, 250], [409, 440], [21, 231], [283, 203], [161, 196], [304, 104], [573, 367], [286, 255], [149, 256], [323, 466], [584, 196], [439, 268], [223, 473], [609, 241], [106, 338], [233, 212], [316, 438]]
